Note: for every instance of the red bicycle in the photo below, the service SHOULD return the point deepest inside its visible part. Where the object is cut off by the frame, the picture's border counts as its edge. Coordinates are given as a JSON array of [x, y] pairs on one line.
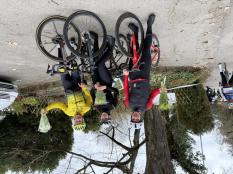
[[134, 46]]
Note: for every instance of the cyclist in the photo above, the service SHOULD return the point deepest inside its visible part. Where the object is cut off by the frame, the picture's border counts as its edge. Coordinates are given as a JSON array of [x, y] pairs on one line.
[[105, 97], [79, 99], [137, 90], [226, 90]]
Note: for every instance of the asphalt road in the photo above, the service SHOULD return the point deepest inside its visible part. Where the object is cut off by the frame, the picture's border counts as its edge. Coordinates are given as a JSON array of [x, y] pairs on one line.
[[191, 32]]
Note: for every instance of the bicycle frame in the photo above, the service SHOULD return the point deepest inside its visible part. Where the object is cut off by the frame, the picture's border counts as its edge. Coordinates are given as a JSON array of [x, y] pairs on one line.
[[53, 70], [136, 56], [91, 58]]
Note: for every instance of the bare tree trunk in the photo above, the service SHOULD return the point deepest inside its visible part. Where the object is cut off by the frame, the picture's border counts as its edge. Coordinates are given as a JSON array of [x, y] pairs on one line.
[[134, 155], [157, 149]]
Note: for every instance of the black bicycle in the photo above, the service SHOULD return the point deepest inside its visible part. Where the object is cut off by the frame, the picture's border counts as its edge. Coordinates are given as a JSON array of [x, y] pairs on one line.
[[87, 22], [72, 37]]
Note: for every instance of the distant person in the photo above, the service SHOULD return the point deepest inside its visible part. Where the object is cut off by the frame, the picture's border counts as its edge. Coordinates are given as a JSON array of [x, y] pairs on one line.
[[137, 92], [226, 84], [105, 97]]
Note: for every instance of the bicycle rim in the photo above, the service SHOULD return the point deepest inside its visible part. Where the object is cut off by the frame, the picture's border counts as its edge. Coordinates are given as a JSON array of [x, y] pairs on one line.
[[85, 21], [122, 28], [50, 29]]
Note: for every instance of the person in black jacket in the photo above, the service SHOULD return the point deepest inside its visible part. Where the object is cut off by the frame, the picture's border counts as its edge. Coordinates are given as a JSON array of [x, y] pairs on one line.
[[105, 97], [137, 90]]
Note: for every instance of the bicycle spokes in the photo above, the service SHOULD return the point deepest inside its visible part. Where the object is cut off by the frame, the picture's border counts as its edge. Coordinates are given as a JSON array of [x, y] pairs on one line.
[[49, 35]]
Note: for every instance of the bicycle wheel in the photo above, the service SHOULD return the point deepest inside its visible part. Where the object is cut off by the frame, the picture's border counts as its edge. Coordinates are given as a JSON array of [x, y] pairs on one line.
[[48, 34], [86, 22], [122, 28], [155, 51]]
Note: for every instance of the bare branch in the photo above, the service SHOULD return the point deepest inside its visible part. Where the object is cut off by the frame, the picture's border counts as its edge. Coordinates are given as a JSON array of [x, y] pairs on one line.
[[118, 162], [134, 155], [69, 164], [89, 159], [117, 142], [83, 169], [93, 171], [130, 139], [137, 146]]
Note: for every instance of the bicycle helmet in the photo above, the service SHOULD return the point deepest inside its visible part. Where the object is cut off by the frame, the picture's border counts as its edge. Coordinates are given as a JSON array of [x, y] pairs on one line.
[[81, 126]]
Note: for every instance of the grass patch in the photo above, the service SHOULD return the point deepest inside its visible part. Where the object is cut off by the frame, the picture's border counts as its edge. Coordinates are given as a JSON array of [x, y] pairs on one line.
[[177, 77]]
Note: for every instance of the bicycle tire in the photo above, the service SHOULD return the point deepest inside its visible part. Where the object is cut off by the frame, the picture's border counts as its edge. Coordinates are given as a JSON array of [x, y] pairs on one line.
[[156, 63], [39, 30], [65, 32], [117, 34]]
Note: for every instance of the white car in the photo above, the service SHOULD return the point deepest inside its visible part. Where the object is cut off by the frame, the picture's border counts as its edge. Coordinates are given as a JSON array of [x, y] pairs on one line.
[[8, 94]]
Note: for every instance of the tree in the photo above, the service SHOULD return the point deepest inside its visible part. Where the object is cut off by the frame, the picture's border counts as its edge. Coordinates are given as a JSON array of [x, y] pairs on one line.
[[125, 163], [167, 140], [180, 145], [225, 116], [24, 149], [92, 119], [157, 149], [193, 109], [134, 155]]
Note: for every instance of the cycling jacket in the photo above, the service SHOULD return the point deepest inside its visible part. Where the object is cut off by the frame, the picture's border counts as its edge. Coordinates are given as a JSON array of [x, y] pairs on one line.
[[77, 103], [138, 95]]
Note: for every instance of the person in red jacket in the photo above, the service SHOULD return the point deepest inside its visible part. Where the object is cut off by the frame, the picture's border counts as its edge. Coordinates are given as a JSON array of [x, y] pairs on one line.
[[137, 92]]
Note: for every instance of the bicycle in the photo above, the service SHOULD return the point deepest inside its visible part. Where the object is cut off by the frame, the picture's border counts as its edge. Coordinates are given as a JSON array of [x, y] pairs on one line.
[[134, 49], [51, 31], [49, 35], [80, 18]]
